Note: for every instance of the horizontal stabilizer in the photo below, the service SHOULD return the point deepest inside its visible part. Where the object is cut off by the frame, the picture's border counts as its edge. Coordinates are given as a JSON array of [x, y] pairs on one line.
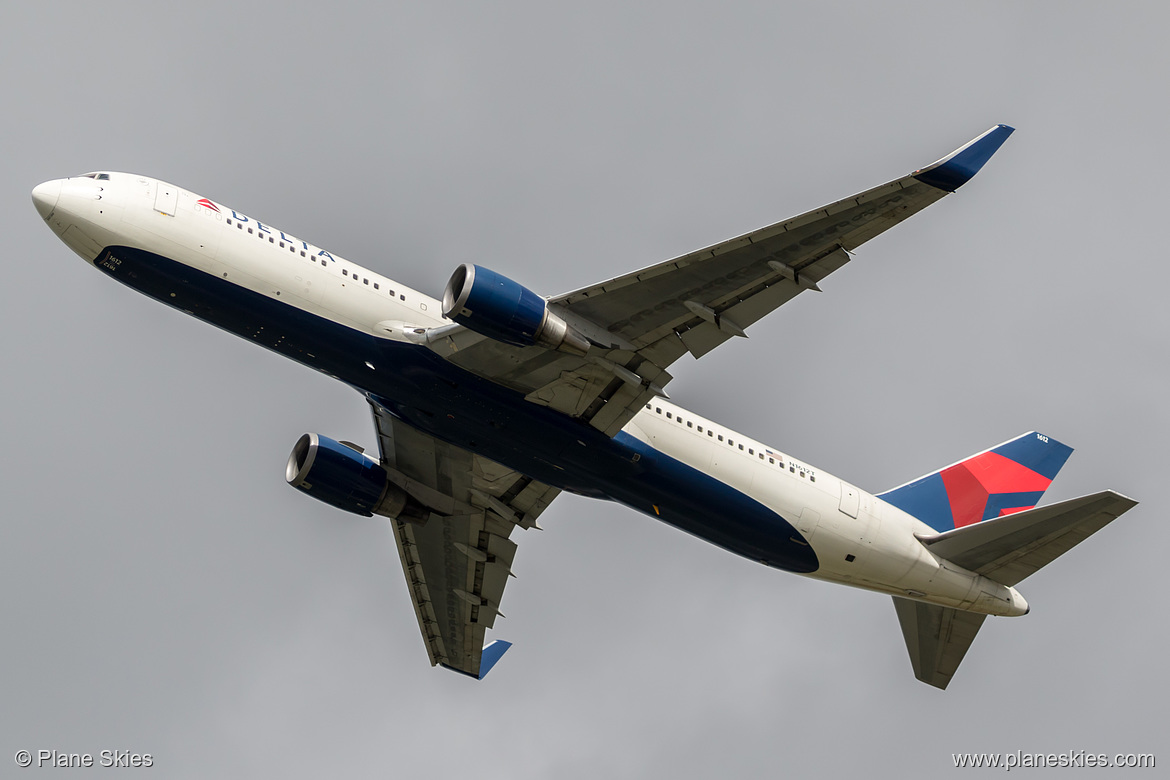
[[1007, 549], [937, 638]]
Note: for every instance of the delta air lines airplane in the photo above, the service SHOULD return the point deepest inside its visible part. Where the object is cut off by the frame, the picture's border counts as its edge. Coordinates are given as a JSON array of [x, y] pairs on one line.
[[491, 401]]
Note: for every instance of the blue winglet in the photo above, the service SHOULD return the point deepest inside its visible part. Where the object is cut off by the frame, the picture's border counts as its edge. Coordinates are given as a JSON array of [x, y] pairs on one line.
[[957, 168], [492, 652]]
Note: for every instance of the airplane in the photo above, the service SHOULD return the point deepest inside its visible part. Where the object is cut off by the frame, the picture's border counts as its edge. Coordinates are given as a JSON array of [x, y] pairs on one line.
[[491, 401]]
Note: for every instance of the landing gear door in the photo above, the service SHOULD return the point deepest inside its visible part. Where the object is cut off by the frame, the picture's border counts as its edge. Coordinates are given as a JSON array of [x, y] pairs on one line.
[[850, 498]]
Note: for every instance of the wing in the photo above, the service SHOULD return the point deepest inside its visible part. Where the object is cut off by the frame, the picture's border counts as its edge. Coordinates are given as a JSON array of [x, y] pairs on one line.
[[458, 562], [642, 322], [937, 638], [706, 297]]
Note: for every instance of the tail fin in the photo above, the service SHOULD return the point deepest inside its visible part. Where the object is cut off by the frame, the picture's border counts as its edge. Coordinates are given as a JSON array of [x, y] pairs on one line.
[[1004, 479]]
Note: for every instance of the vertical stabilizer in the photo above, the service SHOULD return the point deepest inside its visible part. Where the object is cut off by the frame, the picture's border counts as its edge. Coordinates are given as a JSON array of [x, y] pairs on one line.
[[1007, 478]]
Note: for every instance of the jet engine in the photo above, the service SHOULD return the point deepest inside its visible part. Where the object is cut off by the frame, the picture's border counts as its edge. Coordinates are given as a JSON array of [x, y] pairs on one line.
[[344, 477], [497, 307]]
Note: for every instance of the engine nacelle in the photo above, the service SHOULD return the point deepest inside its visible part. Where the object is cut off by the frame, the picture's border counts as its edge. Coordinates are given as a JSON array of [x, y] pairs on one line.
[[487, 302], [342, 477]]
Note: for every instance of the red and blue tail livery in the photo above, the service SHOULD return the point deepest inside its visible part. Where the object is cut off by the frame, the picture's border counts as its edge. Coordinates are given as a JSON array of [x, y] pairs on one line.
[[1000, 481]]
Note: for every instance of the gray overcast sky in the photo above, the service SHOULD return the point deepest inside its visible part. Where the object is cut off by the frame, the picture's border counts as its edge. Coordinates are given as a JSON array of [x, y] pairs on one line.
[[165, 592]]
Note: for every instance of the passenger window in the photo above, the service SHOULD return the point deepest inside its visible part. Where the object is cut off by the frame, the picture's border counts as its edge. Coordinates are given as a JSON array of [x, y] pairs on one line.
[[271, 240], [402, 297], [741, 446], [281, 244], [375, 285], [344, 272], [721, 437], [365, 281], [658, 409], [229, 220], [710, 432], [761, 456], [249, 231], [771, 460], [750, 451], [669, 416]]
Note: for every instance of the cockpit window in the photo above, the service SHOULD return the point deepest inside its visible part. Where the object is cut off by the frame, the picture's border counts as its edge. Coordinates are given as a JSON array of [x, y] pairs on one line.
[[98, 176], [103, 177]]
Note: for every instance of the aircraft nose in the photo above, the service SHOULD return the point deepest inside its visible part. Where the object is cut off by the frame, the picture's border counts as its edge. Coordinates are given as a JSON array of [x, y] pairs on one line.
[[45, 197]]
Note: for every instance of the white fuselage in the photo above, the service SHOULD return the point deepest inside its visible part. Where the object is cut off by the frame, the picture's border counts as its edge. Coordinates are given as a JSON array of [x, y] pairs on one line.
[[858, 539]]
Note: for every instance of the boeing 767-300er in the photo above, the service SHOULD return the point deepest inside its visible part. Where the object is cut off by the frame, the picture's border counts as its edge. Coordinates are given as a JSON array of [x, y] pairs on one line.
[[490, 402]]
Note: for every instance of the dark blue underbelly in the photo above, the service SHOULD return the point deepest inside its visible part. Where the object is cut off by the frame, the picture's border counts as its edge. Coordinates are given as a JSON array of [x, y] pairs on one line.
[[470, 412]]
